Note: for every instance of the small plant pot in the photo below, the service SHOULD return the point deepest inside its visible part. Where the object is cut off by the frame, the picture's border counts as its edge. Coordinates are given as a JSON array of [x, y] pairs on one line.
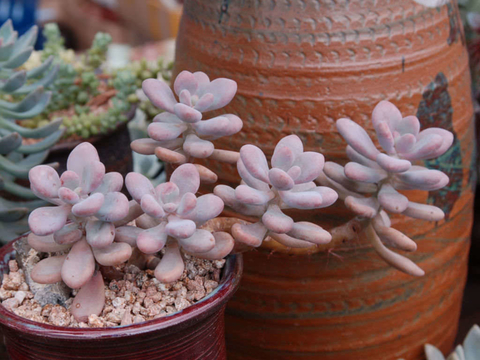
[[195, 333]]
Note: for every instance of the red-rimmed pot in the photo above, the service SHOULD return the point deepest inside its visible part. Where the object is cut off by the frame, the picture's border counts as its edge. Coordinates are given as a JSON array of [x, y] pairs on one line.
[[196, 333]]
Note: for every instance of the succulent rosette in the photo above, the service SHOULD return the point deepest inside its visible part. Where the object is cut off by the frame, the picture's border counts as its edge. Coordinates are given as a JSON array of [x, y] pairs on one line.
[[172, 220], [369, 183], [180, 132], [265, 192]]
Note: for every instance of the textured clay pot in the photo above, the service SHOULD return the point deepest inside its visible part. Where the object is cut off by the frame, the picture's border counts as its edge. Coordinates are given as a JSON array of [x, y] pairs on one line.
[[196, 333], [300, 65]]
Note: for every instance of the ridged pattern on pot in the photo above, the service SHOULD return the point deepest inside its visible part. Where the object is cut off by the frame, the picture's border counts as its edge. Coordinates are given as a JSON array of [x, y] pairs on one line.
[[300, 65]]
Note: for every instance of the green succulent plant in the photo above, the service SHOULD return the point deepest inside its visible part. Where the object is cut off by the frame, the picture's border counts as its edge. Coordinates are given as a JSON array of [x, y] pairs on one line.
[[27, 89]]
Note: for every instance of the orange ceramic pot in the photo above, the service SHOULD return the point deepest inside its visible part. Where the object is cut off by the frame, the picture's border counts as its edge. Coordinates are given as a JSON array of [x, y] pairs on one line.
[[300, 65]]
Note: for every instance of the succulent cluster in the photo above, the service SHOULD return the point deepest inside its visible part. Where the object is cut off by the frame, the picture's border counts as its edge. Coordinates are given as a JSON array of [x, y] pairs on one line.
[[16, 157], [265, 192], [369, 184], [179, 134]]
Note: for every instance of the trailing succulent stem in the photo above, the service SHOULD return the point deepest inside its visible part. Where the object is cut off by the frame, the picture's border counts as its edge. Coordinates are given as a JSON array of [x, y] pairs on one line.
[[23, 96]]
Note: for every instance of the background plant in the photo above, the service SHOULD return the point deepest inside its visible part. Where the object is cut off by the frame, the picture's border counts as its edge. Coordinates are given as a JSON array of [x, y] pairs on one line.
[[23, 96]]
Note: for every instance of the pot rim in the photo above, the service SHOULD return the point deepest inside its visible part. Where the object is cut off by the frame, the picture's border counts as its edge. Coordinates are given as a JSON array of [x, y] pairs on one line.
[[228, 285]]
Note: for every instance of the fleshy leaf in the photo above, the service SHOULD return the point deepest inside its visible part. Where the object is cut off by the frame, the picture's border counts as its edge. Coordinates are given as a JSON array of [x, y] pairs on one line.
[[89, 206], [165, 131], [187, 113], [310, 232], [275, 220], [301, 200], [152, 240], [151, 206], [79, 266], [186, 178], [68, 234], [49, 270], [81, 157], [99, 234], [366, 207], [249, 234], [357, 172], [171, 265], [251, 196], [113, 254], [201, 241], [255, 162], [208, 207], [280, 179], [249, 179], [357, 138], [223, 246], [424, 212], [112, 182], [391, 199], [198, 148], [138, 185], [392, 164], [127, 234], [44, 181], [90, 299], [45, 243], [180, 228], [47, 220], [114, 208], [160, 94], [187, 204]]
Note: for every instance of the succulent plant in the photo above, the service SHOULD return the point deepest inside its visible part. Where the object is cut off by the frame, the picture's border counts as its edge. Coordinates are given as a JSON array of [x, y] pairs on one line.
[[369, 183], [179, 134], [172, 220], [88, 202], [265, 192], [16, 157], [469, 351]]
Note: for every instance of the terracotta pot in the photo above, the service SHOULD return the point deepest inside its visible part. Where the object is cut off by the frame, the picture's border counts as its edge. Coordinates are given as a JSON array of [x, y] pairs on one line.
[[194, 333], [300, 65]]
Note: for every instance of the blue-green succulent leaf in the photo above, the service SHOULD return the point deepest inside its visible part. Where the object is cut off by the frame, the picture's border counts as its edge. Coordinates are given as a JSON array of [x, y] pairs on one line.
[[45, 144], [37, 133], [19, 59], [10, 142], [40, 70], [14, 82], [45, 81]]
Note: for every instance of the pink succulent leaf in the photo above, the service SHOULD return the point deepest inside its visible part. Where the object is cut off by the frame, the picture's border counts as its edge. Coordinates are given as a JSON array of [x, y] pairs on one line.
[[365, 207], [70, 179], [90, 299], [227, 156], [354, 156], [388, 113], [165, 131], [447, 140], [275, 220], [283, 157], [46, 220], [148, 146], [187, 113], [68, 196], [152, 240], [200, 242], [393, 237], [312, 233], [425, 148], [249, 179], [424, 212], [391, 199], [138, 186], [311, 164], [44, 181], [92, 177], [207, 176], [357, 138], [422, 178], [405, 143], [168, 193], [224, 244], [127, 234], [400, 262], [187, 204], [329, 196], [171, 265], [233, 126], [215, 127], [251, 196], [185, 81], [202, 80], [185, 97], [113, 254], [151, 207], [48, 270], [79, 266], [209, 206], [223, 91], [304, 187], [342, 191], [250, 234], [301, 200], [255, 162], [385, 137], [292, 142], [186, 178], [45, 243], [114, 208], [180, 228], [112, 182], [167, 118], [227, 195], [358, 172], [204, 102], [290, 242], [391, 164], [88, 206], [146, 222], [169, 156], [337, 173], [408, 125], [160, 94], [81, 158], [383, 216], [68, 234], [280, 179], [294, 172], [196, 147], [99, 234]]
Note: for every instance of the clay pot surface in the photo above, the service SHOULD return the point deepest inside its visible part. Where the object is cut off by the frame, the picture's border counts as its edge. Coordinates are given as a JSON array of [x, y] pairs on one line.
[[300, 65], [196, 333]]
